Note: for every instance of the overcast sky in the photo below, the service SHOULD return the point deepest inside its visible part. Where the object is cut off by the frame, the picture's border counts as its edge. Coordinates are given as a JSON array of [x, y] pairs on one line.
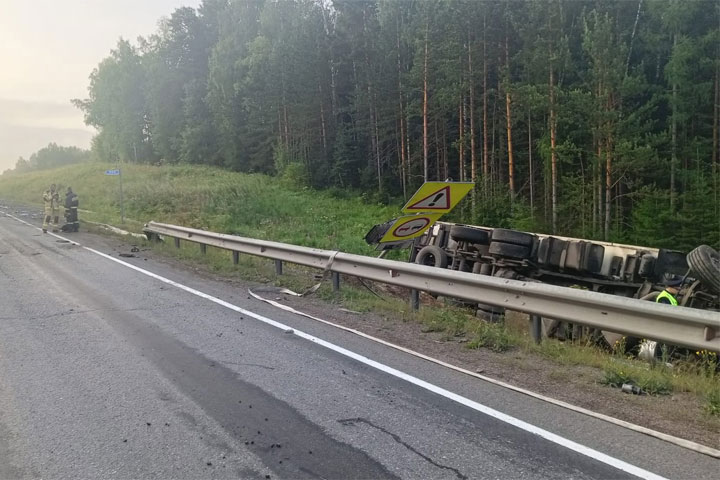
[[48, 48]]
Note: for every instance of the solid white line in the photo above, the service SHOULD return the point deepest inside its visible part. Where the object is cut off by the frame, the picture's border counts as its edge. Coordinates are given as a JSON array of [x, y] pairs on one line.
[[557, 439], [680, 442]]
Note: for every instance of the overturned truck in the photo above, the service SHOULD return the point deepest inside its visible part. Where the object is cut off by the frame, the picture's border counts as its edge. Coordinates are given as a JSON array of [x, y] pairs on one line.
[[611, 268]]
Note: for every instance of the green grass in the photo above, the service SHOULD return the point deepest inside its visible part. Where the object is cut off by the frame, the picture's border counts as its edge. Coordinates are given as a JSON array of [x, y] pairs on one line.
[[251, 205], [712, 401], [653, 381]]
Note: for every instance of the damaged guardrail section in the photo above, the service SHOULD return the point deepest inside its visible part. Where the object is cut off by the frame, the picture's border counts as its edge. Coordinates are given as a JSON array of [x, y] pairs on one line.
[[697, 329]]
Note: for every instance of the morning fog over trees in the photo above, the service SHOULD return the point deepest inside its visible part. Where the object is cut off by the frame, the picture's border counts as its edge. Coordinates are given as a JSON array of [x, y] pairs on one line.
[[596, 119]]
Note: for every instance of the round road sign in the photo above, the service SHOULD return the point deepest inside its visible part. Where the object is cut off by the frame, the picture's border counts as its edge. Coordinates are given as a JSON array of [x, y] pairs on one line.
[[412, 226]]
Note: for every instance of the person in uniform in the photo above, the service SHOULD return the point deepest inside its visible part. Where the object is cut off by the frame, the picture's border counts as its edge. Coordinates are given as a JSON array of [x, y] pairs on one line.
[[672, 286], [71, 212], [51, 200]]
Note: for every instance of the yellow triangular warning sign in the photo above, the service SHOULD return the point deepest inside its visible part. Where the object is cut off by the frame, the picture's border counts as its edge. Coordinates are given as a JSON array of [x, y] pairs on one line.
[[437, 197], [438, 200]]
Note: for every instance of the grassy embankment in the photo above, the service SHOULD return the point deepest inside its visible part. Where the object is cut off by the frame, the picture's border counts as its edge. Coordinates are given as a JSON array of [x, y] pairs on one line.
[[262, 207]]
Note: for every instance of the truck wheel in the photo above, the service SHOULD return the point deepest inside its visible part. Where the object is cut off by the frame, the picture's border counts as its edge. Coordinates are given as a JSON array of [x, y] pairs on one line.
[[470, 235], [512, 236], [704, 262], [509, 250], [432, 256]]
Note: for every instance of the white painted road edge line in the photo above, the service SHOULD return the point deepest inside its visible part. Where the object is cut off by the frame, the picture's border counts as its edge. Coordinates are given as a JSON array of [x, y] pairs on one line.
[[557, 439], [680, 442]]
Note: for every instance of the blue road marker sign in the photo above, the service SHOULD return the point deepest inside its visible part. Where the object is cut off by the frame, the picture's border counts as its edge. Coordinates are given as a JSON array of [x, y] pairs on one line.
[[112, 172]]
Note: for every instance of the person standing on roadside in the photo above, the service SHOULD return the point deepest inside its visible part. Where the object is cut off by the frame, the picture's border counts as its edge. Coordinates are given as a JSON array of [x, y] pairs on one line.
[[51, 200], [71, 212]]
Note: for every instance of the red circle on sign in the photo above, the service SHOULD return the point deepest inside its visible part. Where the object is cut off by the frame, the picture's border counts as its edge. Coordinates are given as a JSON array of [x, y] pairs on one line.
[[411, 227]]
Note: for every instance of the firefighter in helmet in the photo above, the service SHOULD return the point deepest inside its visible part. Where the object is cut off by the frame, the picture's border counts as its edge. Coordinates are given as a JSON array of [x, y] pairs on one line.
[[71, 212], [51, 200]]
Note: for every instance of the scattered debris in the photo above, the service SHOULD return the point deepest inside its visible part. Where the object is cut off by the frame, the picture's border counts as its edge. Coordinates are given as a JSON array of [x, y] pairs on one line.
[[630, 388], [289, 330], [128, 255], [349, 311]]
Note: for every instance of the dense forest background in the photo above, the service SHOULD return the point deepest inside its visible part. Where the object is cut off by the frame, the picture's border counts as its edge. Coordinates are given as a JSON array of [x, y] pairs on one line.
[[595, 119]]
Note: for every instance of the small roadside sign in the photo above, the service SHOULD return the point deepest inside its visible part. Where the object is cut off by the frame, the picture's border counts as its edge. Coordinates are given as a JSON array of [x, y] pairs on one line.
[[409, 227], [116, 172], [437, 197]]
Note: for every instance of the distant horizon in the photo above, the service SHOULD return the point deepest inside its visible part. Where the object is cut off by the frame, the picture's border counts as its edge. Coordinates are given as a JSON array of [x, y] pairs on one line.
[[48, 50]]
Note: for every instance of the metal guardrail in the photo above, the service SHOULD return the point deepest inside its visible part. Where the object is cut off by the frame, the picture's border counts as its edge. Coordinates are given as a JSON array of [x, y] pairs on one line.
[[698, 329]]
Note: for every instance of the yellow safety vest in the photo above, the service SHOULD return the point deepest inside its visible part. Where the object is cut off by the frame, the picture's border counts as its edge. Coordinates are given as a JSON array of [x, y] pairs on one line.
[[665, 294]]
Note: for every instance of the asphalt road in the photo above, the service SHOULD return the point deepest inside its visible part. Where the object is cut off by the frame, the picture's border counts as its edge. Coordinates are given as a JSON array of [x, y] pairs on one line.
[[106, 371]]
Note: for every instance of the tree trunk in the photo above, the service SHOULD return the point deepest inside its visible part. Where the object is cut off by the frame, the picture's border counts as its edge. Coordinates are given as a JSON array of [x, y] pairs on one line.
[[333, 89], [322, 120], [403, 157], [446, 171], [375, 150], [378, 157], [608, 189], [632, 37], [597, 189], [438, 156], [673, 158], [485, 115], [473, 157], [471, 114], [553, 153], [461, 142], [716, 114], [511, 166], [715, 170], [425, 105], [408, 156], [531, 173], [403, 162]]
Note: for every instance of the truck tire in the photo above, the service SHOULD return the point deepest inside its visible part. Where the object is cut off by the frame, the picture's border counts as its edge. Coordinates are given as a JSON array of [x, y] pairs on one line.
[[469, 234], [512, 236], [704, 262], [509, 250], [432, 256]]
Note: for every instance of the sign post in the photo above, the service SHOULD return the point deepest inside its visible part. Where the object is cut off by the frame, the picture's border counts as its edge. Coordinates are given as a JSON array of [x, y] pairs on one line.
[[118, 172]]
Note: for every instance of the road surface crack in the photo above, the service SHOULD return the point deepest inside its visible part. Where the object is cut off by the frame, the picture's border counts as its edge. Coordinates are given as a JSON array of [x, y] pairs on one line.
[[249, 365], [353, 421]]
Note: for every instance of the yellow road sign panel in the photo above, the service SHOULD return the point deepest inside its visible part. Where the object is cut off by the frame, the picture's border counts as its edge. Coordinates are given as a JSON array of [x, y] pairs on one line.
[[409, 227], [437, 197]]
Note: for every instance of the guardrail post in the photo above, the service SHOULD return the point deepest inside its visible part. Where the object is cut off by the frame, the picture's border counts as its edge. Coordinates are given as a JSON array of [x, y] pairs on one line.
[[203, 248], [336, 281], [177, 242], [236, 258], [536, 328], [415, 299], [278, 267]]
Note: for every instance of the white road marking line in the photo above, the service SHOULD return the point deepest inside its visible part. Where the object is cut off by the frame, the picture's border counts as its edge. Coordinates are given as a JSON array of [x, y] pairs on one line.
[[547, 435]]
